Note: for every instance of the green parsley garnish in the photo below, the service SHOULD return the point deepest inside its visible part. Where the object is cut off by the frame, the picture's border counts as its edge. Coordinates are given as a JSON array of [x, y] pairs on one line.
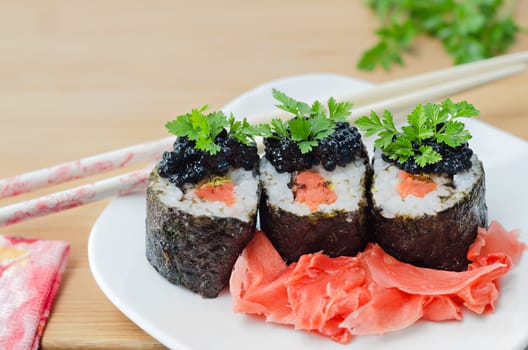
[[204, 128], [434, 122], [242, 131], [310, 124], [468, 30]]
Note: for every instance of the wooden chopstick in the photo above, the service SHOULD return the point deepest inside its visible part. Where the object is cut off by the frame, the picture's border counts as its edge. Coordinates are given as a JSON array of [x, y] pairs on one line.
[[399, 102], [386, 96], [53, 203], [100, 163]]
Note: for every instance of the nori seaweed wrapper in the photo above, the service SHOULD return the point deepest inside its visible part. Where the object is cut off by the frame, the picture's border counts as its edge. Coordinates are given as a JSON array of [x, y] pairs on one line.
[[438, 241], [197, 252], [335, 234]]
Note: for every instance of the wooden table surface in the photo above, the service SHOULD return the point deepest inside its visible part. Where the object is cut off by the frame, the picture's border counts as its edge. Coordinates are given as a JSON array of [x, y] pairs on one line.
[[82, 77]]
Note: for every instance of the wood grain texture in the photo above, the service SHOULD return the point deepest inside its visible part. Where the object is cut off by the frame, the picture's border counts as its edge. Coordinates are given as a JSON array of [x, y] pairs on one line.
[[83, 77]]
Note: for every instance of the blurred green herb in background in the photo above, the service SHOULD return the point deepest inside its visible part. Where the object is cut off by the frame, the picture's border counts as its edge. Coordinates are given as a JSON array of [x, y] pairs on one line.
[[469, 30]]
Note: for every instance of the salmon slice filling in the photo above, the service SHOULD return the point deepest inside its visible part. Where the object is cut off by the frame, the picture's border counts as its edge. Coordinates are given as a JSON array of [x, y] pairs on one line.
[[313, 190], [372, 293], [418, 186], [217, 189]]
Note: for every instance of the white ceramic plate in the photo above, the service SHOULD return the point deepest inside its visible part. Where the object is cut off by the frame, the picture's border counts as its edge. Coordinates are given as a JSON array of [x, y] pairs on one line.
[[183, 320]]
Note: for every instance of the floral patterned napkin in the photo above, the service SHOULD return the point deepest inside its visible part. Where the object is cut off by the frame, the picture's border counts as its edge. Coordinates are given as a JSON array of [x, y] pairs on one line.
[[30, 274]]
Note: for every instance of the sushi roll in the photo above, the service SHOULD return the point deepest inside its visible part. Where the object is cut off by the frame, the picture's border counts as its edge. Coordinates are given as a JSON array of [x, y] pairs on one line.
[[314, 177], [202, 200], [428, 187]]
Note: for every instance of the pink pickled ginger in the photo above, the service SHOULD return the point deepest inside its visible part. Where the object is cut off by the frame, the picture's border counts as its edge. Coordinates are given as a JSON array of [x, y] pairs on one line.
[[372, 293]]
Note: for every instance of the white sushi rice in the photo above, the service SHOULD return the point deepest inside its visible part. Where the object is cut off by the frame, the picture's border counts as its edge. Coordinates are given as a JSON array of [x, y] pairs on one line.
[[449, 191], [245, 192], [348, 184]]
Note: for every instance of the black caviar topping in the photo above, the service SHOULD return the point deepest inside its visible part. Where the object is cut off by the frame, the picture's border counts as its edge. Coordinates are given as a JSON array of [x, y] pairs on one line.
[[454, 160], [338, 149], [186, 164]]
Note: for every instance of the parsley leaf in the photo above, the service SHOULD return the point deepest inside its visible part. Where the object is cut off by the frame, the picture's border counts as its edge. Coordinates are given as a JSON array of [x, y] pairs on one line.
[[280, 127], [468, 30], [203, 128], [430, 122], [370, 125], [243, 131], [290, 105], [310, 124], [183, 125], [385, 129], [455, 134], [338, 111], [300, 129], [401, 149], [394, 38], [421, 126], [427, 155], [217, 122], [306, 145], [321, 126]]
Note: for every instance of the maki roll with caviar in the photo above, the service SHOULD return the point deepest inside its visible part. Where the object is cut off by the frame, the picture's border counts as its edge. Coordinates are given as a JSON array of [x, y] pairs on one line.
[[202, 200], [428, 187], [314, 177]]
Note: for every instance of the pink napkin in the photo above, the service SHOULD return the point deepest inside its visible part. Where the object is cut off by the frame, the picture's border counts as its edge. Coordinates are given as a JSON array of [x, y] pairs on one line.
[[30, 274]]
